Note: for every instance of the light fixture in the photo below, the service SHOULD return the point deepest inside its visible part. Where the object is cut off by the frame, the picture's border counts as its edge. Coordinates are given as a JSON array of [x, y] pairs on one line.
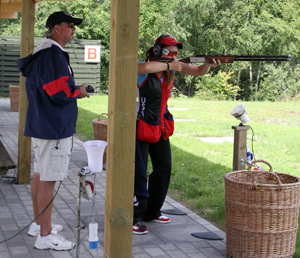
[[240, 113]]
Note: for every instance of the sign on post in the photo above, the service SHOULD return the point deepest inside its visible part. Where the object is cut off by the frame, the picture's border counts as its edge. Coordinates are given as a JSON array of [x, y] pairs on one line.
[[92, 54]]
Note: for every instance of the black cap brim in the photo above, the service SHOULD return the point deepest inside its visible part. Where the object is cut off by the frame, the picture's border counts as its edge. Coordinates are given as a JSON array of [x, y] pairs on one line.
[[76, 21]]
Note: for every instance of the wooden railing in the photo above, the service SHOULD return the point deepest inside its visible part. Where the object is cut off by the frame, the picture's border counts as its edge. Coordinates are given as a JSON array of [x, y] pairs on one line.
[[10, 51]]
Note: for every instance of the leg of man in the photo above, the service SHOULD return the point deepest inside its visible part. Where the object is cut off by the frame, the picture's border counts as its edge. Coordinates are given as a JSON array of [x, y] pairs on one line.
[[49, 167], [45, 195], [54, 157], [34, 229], [34, 193]]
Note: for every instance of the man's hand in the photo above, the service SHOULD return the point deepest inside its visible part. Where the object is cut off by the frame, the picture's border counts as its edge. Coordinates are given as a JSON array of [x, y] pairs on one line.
[[83, 92]]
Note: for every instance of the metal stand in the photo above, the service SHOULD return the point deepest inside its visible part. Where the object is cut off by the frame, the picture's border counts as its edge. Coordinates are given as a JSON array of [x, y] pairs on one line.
[[13, 178], [78, 228], [81, 191]]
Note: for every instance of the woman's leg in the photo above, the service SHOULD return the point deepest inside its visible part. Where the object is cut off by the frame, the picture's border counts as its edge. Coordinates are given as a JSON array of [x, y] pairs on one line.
[[159, 179], [140, 182]]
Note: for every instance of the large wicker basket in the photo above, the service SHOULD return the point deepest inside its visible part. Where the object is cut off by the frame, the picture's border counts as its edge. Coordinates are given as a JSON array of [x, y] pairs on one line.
[[100, 130], [262, 209]]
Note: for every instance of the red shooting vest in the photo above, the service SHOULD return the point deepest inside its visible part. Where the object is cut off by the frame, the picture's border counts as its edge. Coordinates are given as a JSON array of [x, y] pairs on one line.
[[154, 118]]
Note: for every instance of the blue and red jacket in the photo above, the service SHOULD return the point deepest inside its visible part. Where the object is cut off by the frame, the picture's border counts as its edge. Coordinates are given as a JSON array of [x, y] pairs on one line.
[[51, 92], [154, 119]]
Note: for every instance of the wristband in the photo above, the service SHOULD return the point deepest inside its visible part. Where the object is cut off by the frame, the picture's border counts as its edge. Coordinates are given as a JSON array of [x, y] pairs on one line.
[[168, 66]]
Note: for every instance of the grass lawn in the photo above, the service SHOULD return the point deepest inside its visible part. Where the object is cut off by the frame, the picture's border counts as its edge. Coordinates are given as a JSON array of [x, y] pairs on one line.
[[199, 166]]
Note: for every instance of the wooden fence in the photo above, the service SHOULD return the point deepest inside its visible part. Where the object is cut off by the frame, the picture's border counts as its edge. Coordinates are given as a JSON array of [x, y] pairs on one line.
[[83, 72]]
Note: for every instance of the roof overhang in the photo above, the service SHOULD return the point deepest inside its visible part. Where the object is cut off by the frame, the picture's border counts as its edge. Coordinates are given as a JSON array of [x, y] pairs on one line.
[[9, 8]]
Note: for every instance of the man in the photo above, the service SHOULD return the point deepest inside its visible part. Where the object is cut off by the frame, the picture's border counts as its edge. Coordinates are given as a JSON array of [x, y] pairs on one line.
[[50, 121]]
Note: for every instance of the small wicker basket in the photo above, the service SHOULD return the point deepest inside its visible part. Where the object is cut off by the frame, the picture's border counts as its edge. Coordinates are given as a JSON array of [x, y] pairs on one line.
[[14, 97], [262, 209], [100, 130]]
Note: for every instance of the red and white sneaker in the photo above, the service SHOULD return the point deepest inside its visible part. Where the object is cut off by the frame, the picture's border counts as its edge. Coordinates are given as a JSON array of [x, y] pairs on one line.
[[139, 229], [162, 219]]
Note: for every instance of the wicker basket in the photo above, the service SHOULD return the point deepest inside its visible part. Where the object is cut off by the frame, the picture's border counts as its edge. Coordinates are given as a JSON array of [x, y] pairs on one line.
[[262, 209], [100, 130], [14, 97]]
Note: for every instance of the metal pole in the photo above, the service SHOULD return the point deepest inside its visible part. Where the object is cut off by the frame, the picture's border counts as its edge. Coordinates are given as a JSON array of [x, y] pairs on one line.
[[79, 183], [94, 193]]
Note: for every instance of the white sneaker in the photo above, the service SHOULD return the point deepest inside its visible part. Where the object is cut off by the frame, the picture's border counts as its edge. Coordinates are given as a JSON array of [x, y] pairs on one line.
[[34, 229], [53, 241]]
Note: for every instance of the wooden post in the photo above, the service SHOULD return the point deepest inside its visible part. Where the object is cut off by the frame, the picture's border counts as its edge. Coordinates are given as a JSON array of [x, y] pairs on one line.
[[240, 144], [27, 46], [121, 128]]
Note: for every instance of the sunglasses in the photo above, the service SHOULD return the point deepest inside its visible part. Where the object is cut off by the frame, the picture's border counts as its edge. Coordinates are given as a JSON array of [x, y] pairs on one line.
[[71, 25], [170, 53]]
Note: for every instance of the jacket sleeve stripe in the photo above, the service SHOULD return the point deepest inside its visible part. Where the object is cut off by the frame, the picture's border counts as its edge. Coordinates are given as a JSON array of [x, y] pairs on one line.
[[58, 85]]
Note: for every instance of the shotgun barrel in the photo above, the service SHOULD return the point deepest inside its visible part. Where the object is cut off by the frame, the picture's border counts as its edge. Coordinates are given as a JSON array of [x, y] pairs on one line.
[[230, 58], [263, 58]]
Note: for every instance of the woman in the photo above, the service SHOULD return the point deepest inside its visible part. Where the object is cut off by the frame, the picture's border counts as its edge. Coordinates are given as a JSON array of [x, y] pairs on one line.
[[154, 126]]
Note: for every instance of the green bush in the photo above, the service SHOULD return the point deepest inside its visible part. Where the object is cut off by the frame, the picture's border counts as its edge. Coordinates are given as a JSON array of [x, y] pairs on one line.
[[216, 87], [279, 83]]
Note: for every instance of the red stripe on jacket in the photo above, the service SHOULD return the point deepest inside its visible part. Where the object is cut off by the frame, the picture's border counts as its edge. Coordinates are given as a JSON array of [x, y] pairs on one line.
[[58, 85]]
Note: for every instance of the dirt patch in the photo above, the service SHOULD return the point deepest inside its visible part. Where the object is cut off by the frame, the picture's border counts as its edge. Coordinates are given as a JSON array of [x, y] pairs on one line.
[[216, 139], [185, 120], [173, 108]]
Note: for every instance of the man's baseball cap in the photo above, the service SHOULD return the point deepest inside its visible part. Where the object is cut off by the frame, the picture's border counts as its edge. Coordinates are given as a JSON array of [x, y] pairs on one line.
[[59, 17], [169, 41]]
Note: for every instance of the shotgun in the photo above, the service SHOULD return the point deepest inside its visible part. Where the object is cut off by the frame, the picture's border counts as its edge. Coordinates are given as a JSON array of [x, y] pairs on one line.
[[229, 59]]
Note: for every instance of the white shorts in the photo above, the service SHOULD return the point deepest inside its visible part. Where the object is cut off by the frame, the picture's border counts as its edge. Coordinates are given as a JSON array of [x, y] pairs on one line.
[[52, 158]]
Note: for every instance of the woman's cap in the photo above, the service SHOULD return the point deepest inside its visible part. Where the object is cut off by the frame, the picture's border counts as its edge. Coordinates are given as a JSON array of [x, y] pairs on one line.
[[169, 41], [59, 17]]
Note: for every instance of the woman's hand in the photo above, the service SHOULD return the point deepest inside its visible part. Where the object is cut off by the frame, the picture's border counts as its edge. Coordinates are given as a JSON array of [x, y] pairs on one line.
[[198, 70], [214, 64], [176, 65]]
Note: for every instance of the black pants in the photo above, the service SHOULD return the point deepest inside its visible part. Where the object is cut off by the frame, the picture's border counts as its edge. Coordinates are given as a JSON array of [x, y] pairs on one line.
[[140, 186], [159, 179]]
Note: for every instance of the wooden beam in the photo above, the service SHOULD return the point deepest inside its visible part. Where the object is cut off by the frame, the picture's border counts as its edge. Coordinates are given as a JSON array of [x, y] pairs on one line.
[[20, 1], [11, 15], [121, 128], [51, 0], [11, 1], [13, 7], [27, 46], [239, 147]]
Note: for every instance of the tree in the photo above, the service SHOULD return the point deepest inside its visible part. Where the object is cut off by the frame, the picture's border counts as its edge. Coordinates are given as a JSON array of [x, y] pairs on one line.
[[240, 27], [279, 83]]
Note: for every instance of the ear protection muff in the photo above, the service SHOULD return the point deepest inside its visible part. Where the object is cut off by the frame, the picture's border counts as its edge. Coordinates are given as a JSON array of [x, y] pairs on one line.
[[157, 49]]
